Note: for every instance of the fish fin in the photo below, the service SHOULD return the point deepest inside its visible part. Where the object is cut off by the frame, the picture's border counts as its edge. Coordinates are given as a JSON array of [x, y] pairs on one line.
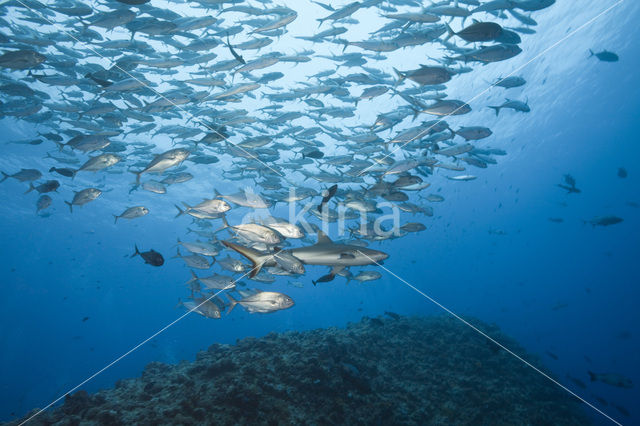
[[178, 255], [137, 177], [323, 238], [193, 279], [31, 188], [496, 108], [450, 32], [180, 211], [591, 53], [592, 375], [70, 206], [115, 217], [137, 252], [4, 177], [232, 303], [253, 255], [218, 195]]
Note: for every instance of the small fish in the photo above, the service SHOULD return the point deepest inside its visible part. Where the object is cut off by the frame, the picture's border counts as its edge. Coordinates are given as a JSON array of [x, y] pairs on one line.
[[66, 172], [150, 257], [327, 195], [24, 175], [604, 221], [132, 213], [234, 53], [83, 197], [604, 56], [611, 379], [48, 186], [43, 202], [262, 302]]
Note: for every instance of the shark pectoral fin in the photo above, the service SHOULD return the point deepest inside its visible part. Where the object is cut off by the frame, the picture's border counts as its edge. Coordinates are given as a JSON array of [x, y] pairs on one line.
[[256, 258], [337, 269]]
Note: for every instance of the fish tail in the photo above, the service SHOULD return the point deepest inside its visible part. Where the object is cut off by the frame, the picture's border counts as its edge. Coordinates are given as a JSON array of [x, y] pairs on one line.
[[70, 206], [232, 303], [255, 257], [591, 53], [4, 177], [401, 77], [31, 187], [178, 255], [592, 375], [450, 32], [496, 108], [60, 146], [137, 252], [115, 217], [194, 278], [180, 211], [137, 177]]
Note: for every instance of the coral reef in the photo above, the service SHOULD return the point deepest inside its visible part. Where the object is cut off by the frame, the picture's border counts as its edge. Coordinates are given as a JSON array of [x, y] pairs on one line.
[[385, 370]]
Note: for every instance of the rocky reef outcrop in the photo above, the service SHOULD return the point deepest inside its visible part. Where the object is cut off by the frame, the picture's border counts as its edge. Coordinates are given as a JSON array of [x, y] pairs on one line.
[[379, 371]]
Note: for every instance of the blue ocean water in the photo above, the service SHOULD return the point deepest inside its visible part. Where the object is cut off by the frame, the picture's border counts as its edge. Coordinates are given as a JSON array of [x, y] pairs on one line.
[[565, 290]]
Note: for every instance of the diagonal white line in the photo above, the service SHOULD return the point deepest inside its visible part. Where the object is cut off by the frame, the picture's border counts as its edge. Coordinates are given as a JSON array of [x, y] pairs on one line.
[[115, 64], [482, 333], [138, 346], [518, 69]]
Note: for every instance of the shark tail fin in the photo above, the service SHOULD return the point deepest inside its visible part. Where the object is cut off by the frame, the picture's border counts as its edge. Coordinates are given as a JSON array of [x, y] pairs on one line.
[[255, 257]]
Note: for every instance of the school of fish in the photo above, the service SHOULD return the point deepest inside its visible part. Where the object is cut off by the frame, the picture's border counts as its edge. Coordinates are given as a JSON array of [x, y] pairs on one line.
[[102, 82]]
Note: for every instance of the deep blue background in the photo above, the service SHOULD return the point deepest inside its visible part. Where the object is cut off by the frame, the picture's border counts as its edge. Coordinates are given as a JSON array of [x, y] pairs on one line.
[[58, 269]]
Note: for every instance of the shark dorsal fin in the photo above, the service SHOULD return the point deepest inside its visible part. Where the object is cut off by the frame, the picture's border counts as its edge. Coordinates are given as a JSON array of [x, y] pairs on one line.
[[323, 238]]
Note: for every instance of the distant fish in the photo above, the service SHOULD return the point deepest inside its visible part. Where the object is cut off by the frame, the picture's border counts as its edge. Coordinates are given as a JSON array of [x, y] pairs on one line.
[[622, 173], [48, 186], [43, 202], [604, 220], [604, 56], [24, 175], [512, 104], [327, 195], [577, 381], [611, 379], [150, 257]]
